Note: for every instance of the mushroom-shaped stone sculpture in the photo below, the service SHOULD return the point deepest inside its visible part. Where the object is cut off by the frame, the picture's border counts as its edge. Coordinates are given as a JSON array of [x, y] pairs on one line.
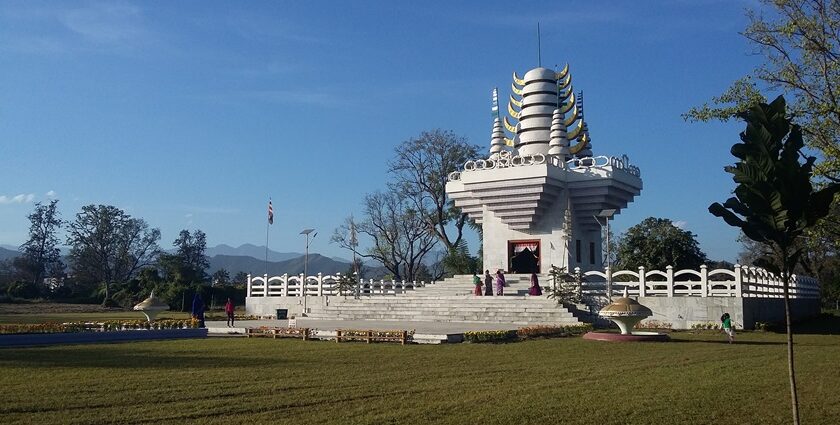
[[151, 307], [625, 312]]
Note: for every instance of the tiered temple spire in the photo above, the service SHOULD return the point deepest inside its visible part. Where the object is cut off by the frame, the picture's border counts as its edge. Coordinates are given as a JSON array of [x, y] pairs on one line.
[[537, 117], [497, 137]]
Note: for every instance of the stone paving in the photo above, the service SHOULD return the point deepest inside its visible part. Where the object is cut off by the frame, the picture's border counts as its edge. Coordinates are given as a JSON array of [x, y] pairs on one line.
[[418, 327]]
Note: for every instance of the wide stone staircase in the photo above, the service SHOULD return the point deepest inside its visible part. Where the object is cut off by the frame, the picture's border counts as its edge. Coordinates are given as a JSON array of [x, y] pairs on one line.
[[451, 300]]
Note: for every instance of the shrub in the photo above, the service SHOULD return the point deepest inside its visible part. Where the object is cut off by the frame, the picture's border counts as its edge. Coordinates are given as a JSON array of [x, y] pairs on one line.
[[489, 336], [566, 288], [654, 324], [547, 331], [705, 326]]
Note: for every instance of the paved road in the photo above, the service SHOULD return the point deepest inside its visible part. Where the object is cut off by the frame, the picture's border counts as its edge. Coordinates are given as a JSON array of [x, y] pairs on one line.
[[418, 327]]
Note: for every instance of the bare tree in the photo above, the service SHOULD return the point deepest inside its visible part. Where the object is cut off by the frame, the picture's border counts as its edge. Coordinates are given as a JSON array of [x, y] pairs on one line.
[[420, 170], [399, 235], [40, 253]]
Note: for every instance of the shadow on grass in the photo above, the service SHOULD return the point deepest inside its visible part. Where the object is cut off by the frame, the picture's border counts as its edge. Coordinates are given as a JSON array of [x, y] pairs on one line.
[[824, 324], [120, 356], [724, 341]]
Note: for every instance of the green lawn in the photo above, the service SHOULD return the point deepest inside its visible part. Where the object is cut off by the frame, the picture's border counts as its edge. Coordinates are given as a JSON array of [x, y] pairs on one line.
[[694, 379], [85, 317]]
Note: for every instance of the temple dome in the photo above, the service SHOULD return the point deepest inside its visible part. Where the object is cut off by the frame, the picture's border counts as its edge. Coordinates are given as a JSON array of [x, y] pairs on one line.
[[540, 74]]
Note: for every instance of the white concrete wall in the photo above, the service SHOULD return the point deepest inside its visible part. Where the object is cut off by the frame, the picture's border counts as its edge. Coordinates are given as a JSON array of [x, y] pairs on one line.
[[267, 306], [683, 312], [549, 230]]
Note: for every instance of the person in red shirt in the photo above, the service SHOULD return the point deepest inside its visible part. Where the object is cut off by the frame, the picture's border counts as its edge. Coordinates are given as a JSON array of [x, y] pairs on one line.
[[229, 311]]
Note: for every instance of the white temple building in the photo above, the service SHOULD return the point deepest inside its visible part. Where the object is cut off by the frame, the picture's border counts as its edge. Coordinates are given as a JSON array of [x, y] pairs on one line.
[[539, 193], [541, 196]]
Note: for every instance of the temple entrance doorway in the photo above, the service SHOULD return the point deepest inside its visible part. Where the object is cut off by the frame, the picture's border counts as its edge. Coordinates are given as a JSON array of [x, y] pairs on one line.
[[524, 256]]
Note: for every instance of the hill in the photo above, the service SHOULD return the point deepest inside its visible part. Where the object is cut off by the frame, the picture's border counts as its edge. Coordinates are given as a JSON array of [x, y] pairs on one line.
[[249, 250], [8, 254], [236, 263]]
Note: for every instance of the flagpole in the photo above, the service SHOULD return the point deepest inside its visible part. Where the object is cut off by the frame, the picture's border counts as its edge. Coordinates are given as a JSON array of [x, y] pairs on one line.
[[266, 250], [267, 224]]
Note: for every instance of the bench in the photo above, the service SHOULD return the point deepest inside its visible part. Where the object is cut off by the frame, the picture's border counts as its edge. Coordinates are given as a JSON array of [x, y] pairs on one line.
[[369, 336], [275, 332]]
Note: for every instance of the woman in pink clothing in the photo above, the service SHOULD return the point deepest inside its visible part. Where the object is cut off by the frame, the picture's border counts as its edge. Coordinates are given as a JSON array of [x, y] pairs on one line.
[[229, 312], [535, 286], [500, 282]]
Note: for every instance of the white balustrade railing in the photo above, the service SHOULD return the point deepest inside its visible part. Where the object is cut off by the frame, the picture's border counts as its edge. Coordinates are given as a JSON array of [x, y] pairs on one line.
[[320, 285], [505, 160], [748, 282]]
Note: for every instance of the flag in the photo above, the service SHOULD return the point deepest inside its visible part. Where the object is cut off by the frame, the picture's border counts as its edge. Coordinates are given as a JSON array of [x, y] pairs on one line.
[[270, 213]]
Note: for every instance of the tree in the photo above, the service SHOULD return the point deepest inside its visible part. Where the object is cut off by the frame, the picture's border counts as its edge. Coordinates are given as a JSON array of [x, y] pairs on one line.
[[800, 41], [41, 256], [108, 246], [459, 261], [656, 243], [775, 202], [240, 278], [420, 170], [188, 264], [401, 239], [221, 277]]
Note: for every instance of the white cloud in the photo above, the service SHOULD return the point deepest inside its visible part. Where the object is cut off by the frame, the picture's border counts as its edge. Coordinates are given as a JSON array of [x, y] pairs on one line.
[[682, 224], [73, 27], [107, 22], [17, 199], [51, 194]]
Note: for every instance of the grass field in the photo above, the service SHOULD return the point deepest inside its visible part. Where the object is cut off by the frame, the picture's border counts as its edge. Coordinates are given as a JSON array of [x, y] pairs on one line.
[[694, 379]]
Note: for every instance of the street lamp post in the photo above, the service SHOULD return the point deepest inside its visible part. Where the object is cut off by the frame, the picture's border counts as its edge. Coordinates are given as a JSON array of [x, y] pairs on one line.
[[306, 233], [606, 215]]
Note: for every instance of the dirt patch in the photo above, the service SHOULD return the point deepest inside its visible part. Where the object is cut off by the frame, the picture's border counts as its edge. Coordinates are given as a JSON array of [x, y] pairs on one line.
[[41, 308]]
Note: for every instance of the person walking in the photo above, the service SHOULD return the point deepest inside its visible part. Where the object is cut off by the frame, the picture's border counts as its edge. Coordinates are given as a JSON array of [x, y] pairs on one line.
[[477, 283], [500, 282], [229, 312], [198, 308], [726, 322], [488, 284], [535, 289]]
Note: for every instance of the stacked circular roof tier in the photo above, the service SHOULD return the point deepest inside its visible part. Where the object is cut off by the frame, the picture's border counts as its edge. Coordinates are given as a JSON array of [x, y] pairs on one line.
[[539, 100]]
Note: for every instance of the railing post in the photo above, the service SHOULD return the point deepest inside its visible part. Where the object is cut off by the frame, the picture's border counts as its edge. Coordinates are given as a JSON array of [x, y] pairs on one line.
[[265, 284], [642, 282], [739, 276], [302, 282], [248, 286], [669, 272], [704, 281], [285, 280], [320, 284]]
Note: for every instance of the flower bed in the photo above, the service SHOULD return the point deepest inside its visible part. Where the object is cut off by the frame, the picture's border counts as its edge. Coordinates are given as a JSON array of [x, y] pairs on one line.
[[546, 331], [108, 326]]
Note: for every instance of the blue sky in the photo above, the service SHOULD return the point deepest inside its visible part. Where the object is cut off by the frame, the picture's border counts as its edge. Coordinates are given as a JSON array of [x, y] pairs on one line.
[[191, 114]]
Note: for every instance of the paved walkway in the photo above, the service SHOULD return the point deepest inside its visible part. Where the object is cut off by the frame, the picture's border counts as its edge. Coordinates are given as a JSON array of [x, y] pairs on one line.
[[439, 328]]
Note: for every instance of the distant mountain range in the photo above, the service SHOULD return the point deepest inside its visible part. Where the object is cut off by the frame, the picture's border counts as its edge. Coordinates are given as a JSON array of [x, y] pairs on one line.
[[7, 254], [249, 250], [236, 263], [250, 259]]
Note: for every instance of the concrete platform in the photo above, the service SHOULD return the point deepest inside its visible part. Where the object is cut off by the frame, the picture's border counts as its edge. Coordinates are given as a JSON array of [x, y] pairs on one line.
[[424, 332]]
